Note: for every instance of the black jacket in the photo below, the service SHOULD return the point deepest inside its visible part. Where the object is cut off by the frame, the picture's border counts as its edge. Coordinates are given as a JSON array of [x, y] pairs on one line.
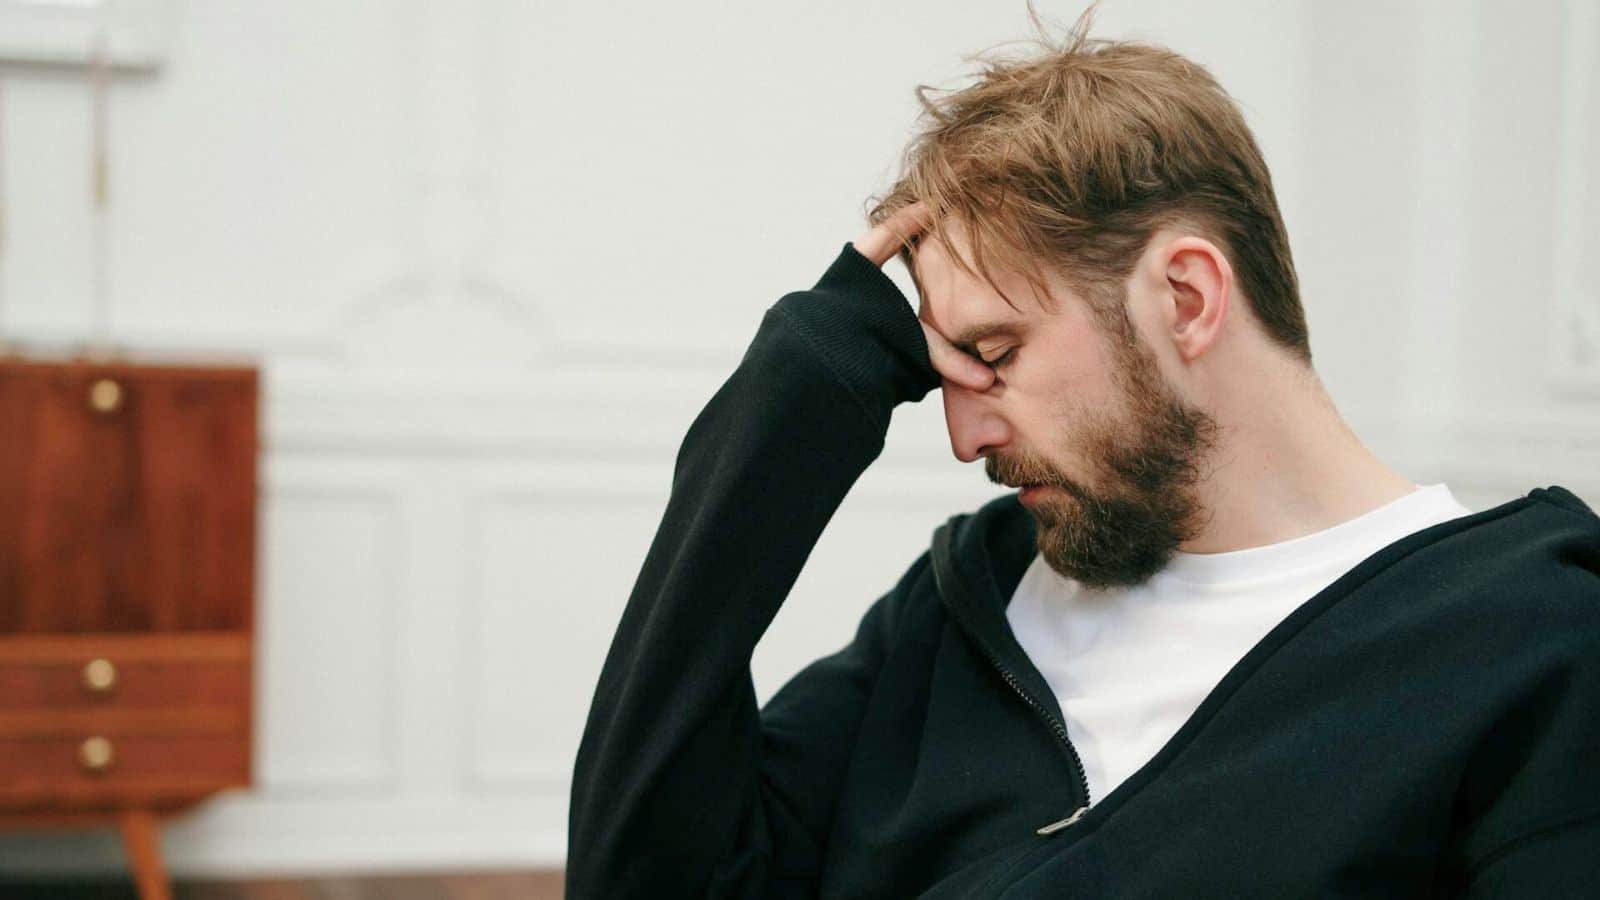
[[1427, 725]]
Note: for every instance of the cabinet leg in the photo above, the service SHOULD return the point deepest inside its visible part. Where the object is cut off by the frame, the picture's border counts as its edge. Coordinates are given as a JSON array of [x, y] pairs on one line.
[[142, 841]]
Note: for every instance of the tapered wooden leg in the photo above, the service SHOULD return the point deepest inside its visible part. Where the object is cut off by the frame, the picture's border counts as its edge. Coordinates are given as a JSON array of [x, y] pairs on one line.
[[143, 842]]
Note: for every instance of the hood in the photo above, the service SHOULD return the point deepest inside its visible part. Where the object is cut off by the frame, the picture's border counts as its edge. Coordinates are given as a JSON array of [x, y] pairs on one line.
[[978, 560], [981, 556]]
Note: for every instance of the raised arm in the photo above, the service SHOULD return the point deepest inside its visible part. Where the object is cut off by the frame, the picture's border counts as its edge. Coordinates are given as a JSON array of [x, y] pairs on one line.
[[678, 791]]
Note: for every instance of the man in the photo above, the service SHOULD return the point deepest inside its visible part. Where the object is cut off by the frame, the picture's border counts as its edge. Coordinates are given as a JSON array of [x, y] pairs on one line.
[[1213, 647]]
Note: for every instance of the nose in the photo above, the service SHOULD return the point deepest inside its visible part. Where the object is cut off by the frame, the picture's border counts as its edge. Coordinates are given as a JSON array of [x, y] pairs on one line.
[[974, 424]]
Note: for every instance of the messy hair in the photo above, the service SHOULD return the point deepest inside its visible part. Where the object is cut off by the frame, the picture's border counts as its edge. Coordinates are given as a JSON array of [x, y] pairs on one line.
[[1074, 157]]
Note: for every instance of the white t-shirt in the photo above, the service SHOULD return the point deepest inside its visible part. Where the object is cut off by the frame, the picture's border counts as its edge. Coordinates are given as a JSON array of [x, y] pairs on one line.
[[1130, 665]]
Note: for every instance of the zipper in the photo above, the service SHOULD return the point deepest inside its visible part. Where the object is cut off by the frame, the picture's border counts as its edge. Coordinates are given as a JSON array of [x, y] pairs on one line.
[[1054, 827], [1060, 731], [1056, 727]]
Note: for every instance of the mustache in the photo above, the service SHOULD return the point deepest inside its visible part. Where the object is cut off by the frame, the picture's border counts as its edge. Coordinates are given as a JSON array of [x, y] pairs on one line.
[[1015, 473]]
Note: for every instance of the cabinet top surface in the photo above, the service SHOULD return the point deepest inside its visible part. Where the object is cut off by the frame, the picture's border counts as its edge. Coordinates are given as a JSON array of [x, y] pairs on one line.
[[126, 365]]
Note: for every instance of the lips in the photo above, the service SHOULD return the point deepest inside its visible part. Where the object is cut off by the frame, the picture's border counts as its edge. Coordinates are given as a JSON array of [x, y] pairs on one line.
[[1031, 491]]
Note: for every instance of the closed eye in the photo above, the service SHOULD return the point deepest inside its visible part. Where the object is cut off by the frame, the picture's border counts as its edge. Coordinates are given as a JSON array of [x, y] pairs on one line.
[[1002, 360]]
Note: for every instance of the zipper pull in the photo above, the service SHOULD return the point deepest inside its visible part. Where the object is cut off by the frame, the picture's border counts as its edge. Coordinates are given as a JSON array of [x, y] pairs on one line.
[[1054, 827]]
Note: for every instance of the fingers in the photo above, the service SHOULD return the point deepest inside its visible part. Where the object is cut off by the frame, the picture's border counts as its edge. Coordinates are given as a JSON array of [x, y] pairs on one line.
[[955, 365], [886, 238]]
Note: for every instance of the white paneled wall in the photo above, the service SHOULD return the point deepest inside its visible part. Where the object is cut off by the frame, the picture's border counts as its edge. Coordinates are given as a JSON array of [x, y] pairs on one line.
[[494, 257]]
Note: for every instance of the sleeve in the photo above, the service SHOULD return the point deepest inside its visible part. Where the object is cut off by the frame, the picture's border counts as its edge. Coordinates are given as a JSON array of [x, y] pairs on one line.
[[679, 790], [1534, 785], [1557, 861]]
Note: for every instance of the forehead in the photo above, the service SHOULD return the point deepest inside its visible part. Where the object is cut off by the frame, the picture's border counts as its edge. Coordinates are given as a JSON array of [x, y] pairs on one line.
[[964, 306]]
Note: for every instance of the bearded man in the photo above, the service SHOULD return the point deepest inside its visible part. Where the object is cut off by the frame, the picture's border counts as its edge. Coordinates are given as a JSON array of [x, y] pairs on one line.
[[1212, 647]]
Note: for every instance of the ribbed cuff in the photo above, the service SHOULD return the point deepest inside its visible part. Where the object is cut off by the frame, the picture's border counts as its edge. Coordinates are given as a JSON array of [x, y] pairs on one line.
[[867, 329]]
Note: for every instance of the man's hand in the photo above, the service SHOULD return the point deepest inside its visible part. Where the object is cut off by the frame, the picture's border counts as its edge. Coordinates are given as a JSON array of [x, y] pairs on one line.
[[883, 241]]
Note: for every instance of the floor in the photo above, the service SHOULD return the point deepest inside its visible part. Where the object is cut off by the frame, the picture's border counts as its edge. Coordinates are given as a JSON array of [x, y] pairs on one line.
[[506, 886]]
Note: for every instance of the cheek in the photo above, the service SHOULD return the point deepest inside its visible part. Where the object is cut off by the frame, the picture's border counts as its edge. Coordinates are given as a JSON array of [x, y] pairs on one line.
[[1074, 364], [1076, 391], [1074, 413]]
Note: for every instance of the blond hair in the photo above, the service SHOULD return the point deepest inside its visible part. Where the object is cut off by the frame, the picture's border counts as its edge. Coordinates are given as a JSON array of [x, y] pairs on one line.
[[1077, 155]]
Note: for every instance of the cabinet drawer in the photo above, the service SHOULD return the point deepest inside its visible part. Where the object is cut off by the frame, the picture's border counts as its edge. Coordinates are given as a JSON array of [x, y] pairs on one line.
[[101, 768], [124, 673], [104, 681]]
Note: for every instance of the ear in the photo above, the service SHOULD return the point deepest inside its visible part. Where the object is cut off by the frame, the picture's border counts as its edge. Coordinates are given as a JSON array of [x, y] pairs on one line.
[[1198, 282]]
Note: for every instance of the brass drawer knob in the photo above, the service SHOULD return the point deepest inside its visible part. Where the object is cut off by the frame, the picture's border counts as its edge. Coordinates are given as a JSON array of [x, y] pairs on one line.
[[95, 754], [105, 396], [99, 675]]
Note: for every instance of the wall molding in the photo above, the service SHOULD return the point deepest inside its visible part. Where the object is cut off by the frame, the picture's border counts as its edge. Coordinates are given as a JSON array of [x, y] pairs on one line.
[[485, 769], [381, 495], [1574, 361]]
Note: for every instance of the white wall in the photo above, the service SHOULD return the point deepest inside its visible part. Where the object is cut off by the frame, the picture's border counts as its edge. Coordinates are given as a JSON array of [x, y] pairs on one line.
[[495, 256]]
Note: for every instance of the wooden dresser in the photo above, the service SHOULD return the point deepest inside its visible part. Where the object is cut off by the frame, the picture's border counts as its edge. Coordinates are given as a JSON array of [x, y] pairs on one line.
[[127, 593]]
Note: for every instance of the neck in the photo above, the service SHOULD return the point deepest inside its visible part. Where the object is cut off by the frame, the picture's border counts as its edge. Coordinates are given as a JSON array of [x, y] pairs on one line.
[[1286, 465]]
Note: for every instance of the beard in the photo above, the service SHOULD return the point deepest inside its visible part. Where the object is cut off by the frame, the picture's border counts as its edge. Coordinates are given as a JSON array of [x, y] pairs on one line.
[[1145, 503]]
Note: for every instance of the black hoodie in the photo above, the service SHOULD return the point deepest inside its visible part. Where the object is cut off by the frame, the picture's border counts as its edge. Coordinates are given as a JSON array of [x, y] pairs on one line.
[[1428, 725]]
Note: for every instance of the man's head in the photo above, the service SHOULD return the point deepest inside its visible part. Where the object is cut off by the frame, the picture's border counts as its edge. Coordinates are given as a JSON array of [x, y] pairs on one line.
[[1116, 191], [1080, 405]]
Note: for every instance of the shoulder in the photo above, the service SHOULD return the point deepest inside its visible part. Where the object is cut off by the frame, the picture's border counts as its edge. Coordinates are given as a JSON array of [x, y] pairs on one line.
[[1549, 536], [1558, 496], [1525, 576]]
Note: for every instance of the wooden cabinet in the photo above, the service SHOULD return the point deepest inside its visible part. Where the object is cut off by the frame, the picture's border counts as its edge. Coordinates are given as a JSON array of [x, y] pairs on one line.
[[127, 593]]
